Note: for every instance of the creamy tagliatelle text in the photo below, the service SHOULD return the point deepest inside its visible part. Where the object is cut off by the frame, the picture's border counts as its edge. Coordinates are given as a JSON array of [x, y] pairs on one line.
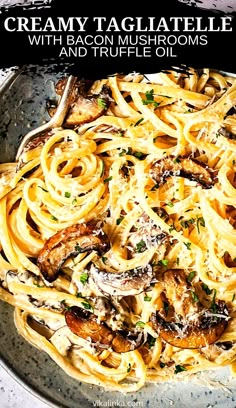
[[117, 231]]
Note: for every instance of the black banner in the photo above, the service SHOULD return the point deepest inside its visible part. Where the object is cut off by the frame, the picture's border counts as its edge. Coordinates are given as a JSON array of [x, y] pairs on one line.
[[157, 37]]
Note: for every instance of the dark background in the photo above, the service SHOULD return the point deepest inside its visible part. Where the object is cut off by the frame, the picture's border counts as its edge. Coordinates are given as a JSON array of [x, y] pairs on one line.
[[217, 54]]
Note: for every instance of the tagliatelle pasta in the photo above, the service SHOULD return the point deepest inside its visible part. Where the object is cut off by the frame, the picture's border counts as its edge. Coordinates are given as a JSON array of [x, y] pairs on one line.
[[117, 233]]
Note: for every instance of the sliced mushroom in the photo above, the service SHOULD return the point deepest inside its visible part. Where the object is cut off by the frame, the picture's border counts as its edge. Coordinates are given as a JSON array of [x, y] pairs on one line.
[[191, 325], [146, 234], [187, 167], [85, 106], [69, 242], [223, 131], [178, 290], [126, 283], [86, 325]]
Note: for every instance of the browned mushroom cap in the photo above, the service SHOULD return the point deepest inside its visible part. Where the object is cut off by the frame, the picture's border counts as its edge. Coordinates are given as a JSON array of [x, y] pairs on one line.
[[185, 323], [68, 242], [182, 167], [86, 109], [85, 106], [208, 329], [126, 283], [86, 325]]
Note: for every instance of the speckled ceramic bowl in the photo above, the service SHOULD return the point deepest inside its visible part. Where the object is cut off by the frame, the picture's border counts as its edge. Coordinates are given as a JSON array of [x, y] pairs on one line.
[[22, 108]]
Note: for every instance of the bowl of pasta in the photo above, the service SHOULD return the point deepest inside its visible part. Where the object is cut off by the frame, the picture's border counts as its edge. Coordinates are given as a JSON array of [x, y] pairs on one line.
[[117, 238]]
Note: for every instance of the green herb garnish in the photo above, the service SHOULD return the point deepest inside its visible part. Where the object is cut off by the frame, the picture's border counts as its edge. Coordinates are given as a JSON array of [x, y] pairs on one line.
[[119, 220], [87, 305], [150, 99], [141, 246], [84, 278], [140, 324], [213, 303], [78, 248], [54, 218], [44, 189], [200, 222], [206, 289], [147, 298], [179, 369], [138, 121], [188, 245], [191, 276], [102, 103], [194, 297], [163, 262], [151, 341], [107, 179]]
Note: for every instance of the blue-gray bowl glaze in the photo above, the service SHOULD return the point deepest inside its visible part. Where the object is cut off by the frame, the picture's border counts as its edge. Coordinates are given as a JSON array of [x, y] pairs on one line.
[[22, 108]]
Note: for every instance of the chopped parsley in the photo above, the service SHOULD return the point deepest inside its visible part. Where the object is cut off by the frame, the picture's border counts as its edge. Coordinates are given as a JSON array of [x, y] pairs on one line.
[[151, 340], [140, 324], [155, 187], [179, 369], [187, 223], [44, 189], [74, 201], [200, 222], [147, 298], [141, 246], [67, 194], [78, 248], [129, 368], [102, 103], [139, 155], [138, 121], [191, 276], [54, 218], [206, 289], [119, 220], [162, 365], [150, 99], [87, 305], [162, 262], [213, 303], [84, 278], [107, 179], [172, 228], [177, 160], [194, 297], [188, 245]]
